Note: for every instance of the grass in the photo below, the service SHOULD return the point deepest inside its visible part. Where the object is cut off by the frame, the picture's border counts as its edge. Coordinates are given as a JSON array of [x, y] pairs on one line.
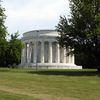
[[28, 84]]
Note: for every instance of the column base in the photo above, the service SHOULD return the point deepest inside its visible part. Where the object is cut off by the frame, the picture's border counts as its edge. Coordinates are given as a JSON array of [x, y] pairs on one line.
[[51, 66]]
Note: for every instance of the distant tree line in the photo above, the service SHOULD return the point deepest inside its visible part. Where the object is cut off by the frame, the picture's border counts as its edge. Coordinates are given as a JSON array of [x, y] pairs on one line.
[[82, 32], [10, 50]]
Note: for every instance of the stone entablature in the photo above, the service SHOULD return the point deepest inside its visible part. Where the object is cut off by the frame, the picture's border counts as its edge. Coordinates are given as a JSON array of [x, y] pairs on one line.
[[42, 50]]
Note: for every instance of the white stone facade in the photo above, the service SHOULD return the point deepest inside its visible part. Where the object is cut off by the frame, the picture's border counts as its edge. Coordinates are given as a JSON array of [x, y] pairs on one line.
[[41, 50]]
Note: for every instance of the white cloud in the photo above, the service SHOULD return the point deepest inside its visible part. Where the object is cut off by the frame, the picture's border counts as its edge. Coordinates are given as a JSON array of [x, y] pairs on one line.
[[23, 14]]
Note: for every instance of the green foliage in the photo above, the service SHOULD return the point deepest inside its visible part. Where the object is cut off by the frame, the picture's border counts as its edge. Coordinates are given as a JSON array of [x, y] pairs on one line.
[[82, 30], [3, 49], [3, 33], [14, 50]]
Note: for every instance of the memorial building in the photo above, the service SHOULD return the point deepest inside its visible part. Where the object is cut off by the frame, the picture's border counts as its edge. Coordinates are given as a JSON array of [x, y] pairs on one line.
[[41, 50]]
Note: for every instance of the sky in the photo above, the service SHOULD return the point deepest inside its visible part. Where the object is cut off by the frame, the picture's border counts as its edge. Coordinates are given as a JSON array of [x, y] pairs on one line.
[[28, 15]]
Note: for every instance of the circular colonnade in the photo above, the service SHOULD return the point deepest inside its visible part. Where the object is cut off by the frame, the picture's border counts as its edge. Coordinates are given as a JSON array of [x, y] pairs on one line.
[[41, 50]]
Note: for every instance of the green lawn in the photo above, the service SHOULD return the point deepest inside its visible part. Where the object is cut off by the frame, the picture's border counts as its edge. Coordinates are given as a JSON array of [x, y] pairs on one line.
[[27, 84]]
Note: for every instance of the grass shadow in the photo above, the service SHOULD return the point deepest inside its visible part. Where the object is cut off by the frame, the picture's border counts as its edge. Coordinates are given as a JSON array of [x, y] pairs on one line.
[[66, 72], [4, 69]]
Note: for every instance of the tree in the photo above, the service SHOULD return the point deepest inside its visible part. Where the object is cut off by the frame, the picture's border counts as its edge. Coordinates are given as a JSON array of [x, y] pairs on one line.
[[3, 33], [14, 50], [10, 51], [82, 30]]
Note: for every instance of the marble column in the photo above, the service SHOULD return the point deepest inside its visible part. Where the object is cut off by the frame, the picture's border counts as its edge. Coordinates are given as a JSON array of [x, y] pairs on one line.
[[29, 52], [50, 52], [42, 52], [70, 56], [31, 55], [25, 52], [35, 52], [64, 55], [23, 55], [73, 59], [58, 53], [67, 56]]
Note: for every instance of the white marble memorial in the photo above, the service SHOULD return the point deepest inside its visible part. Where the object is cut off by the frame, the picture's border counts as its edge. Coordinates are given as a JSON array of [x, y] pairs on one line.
[[41, 50]]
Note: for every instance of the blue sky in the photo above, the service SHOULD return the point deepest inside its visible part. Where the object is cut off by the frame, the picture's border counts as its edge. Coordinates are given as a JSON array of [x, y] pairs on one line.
[[27, 15]]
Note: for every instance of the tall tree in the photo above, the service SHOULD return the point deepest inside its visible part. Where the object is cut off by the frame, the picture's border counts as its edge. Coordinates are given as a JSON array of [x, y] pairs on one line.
[[10, 51], [3, 33], [82, 30]]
